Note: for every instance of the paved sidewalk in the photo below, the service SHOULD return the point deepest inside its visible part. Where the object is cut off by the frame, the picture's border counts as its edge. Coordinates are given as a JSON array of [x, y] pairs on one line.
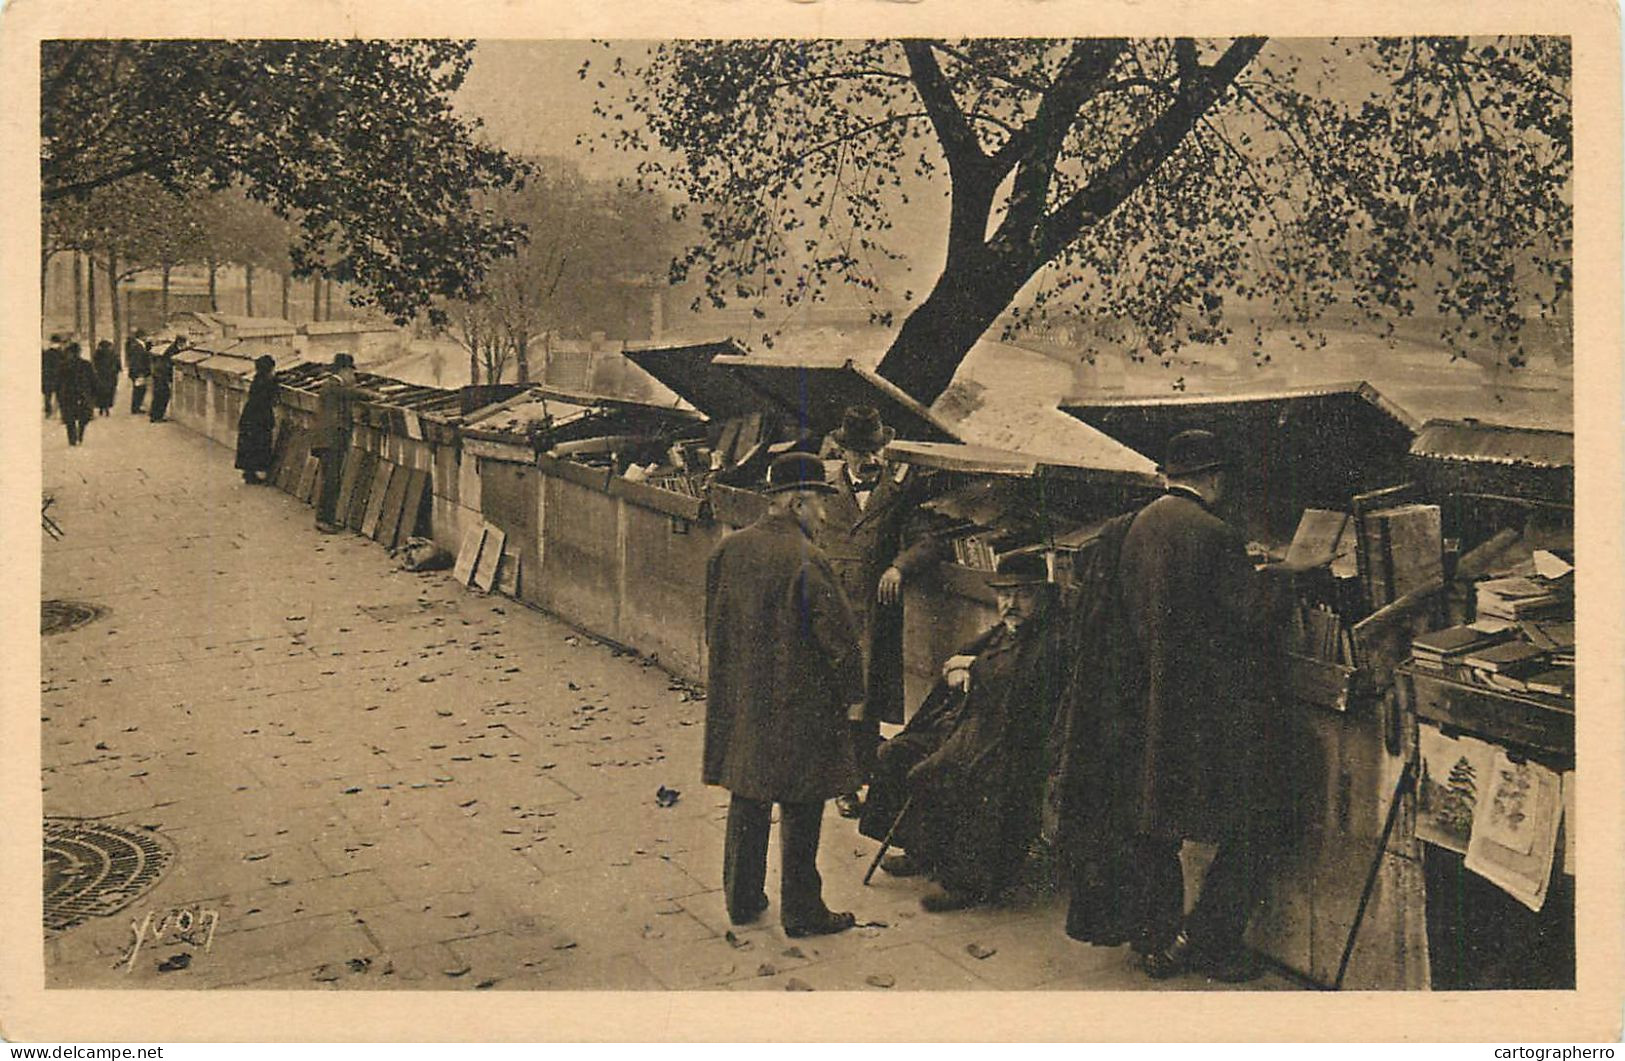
[[378, 779]]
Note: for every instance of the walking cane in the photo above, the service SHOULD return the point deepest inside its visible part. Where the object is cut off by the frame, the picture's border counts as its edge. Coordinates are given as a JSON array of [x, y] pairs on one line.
[[886, 843], [1400, 789]]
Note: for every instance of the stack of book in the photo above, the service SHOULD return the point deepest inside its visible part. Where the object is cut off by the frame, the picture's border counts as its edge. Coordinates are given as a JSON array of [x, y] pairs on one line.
[[1517, 597], [1443, 649]]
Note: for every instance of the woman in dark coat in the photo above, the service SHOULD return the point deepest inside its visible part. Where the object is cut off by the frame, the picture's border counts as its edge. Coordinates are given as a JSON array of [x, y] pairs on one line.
[[258, 423], [107, 366]]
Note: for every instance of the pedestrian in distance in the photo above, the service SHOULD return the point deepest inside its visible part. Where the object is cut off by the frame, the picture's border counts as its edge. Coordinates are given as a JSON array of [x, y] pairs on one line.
[[257, 425], [163, 378], [138, 366], [105, 362], [76, 393], [51, 369], [785, 668], [334, 416]]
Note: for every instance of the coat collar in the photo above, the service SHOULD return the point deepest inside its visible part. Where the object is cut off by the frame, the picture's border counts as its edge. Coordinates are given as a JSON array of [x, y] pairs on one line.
[[1190, 495]]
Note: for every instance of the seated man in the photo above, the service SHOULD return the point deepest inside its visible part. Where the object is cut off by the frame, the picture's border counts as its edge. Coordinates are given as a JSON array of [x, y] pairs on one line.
[[972, 759]]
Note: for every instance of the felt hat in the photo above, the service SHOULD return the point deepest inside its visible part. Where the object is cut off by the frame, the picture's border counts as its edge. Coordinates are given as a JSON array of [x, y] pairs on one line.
[[862, 430], [797, 471], [1190, 452]]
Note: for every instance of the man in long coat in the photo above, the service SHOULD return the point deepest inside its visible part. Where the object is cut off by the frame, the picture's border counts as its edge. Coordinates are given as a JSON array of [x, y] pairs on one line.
[[138, 366], [75, 392], [874, 505], [1196, 621], [334, 416], [105, 362], [784, 666], [51, 369], [162, 363], [970, 765]]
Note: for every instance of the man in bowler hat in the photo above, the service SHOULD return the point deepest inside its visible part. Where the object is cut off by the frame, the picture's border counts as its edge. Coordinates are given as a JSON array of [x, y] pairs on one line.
[[867, 516], [970, 765], [784, 667], [1193, 608]]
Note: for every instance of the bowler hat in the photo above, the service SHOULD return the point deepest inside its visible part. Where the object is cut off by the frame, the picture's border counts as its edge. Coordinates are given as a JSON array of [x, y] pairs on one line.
[[1020, 569], [797, 471], [265, 361], [862, 430], [343, 360], [1190, 452]]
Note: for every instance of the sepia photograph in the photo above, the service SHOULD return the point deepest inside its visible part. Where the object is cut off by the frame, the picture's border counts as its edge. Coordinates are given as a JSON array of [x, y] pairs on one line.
[[872, 512]]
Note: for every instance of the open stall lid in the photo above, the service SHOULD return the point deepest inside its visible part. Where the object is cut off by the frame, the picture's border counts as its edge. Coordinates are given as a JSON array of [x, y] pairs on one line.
[[817, 393], [690, 373], [989, 460], [1309, 447]]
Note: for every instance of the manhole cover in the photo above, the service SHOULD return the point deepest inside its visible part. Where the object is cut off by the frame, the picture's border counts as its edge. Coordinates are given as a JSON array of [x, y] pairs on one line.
[[93, 869], [60, 616]]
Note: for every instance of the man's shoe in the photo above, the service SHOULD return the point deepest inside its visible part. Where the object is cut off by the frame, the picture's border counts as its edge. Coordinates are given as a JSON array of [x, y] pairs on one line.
[[749, 913], [830, 923], [328, 528], [1173, 960], [943, 900], [849, 805], [900, 866]]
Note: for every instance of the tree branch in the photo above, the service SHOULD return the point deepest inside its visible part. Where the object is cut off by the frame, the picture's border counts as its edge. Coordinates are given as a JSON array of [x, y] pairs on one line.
[[1142, 158], [958, 140]]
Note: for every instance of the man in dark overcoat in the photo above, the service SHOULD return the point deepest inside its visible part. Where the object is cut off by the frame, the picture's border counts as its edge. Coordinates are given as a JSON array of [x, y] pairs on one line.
[[51, 369], [162, 363], [970, 765], [784, 667], [76, 392], [1195, 617], [138, 366], [874, 506]]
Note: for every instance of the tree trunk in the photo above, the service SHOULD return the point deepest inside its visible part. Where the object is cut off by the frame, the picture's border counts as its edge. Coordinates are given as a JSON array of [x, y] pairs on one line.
[[214, 302], [248, 290], [44, 278], [163, 300], [522, 362], [285, 285], [90, 301], [473, 364], [327, 309], [78, 293], [316, 297], [112, 300], [935, 338]]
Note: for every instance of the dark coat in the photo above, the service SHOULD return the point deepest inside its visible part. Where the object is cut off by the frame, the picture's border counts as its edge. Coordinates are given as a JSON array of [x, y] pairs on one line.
[[861, 543], [76, 388], [783, 666], [137, 359], [1193, 611], [979, 794], [50, 368], [162, 364], [106, 363], [257, 425]]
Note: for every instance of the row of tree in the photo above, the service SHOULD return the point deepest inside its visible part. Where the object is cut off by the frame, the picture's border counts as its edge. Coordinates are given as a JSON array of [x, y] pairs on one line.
[[137, 225]]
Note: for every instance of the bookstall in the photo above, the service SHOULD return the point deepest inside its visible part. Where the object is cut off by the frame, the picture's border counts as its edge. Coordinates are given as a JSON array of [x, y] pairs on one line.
[[1491, 688]]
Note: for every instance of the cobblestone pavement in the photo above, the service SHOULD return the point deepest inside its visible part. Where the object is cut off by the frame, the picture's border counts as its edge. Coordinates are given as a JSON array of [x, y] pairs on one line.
[[367, 778]]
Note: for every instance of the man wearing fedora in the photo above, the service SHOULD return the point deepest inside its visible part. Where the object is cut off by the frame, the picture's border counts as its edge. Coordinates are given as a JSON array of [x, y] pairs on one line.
[[1193, 615], [970, 765], [867, 518], [784, 668]]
